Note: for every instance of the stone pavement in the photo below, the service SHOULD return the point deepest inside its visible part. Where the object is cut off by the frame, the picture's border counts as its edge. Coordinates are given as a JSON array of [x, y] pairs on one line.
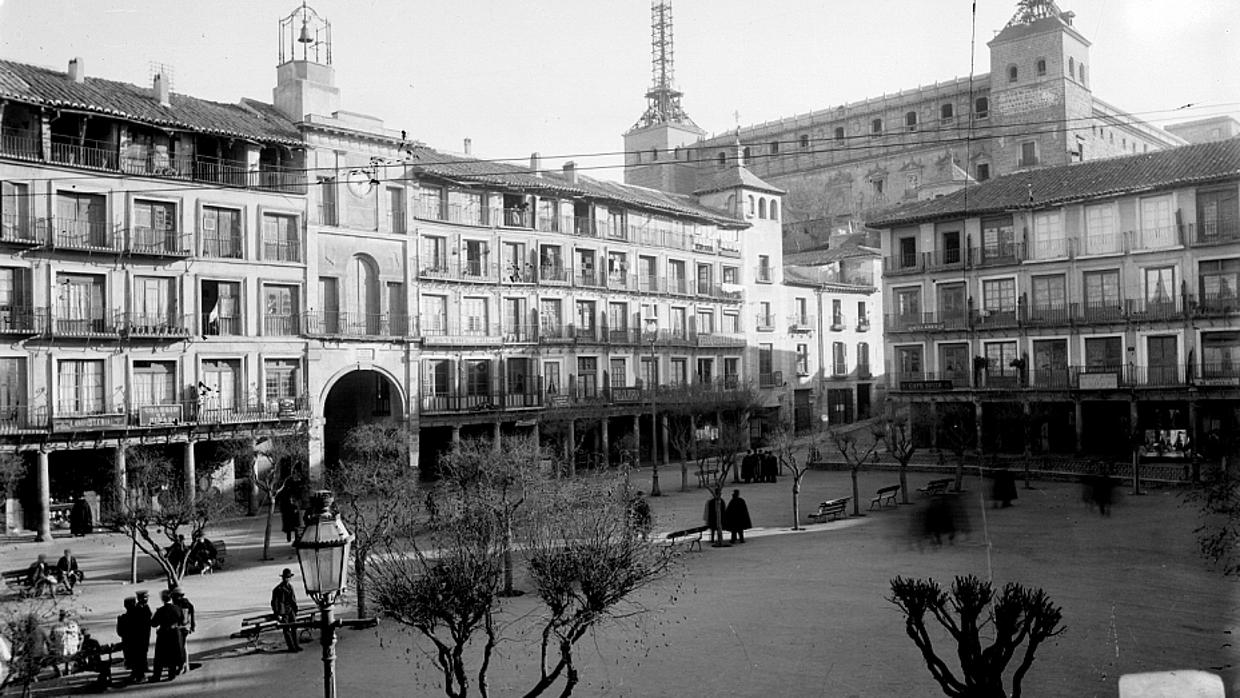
[[785, 614]]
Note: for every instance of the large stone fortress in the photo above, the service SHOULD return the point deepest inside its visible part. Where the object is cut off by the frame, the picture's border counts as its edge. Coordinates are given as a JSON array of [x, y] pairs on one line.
[[1035, 108]]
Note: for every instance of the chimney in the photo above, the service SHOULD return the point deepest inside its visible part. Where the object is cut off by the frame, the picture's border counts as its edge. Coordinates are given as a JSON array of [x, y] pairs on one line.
[[570, 172], [77, 70], [469, 146], [536, 163], [161, 89]]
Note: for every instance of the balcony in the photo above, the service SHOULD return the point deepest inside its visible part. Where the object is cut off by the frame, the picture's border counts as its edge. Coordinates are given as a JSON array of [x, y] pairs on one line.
[[1164, 308], [1218, 373], [83, 328], [773, 379], [651, 284], [1051, 378], [85, 235], [156, 326], [729, 248], [624, 336], [1211, 232], [520, 333], [516, 273], [944, 260], [1154, 238], [762, 275], [1103, 243], [434, 210], [287, 251], [555, 333], [582, 227], [215, 326], [152, 242], [19, 144], [925, 381], [801, 322], [996, 255], [863, 324], [588, 278], [17, 230], [1046, 315], [223, 247], [95, 155], [448, 403], [990, 318], [617, 280], [927, 322], [764, 323], [215, 411], [1218, 304], [549, 273], [1101, 311], [346, 325], [281, 325], [516, 218], [17, 419], [18, 320], [469, 271], [905, 263], [679, 286], [711, 339], [471, 331], [1052, 248]]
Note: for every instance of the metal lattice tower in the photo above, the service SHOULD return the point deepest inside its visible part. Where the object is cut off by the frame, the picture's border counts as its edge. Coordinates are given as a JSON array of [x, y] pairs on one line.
[[1030, 11], [662, 99]]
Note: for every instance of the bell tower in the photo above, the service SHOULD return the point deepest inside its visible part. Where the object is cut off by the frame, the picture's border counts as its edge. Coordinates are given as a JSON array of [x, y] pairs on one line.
[[653, 156], [305, 79]]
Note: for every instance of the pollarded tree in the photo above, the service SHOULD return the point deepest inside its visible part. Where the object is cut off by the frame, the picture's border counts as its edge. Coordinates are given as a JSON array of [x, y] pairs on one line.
[[959, 439], [856, 452], [898, 439], [1019, 615], [372, 475], [159, 506], [796, 459], [586, 562], [287, 460]]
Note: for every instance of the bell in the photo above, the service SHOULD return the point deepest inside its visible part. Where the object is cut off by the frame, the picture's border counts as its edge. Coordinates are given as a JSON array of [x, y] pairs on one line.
[[304, 38]]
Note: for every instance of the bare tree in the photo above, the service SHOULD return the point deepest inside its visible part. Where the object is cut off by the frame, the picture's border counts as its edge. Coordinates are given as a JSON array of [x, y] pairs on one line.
[[1018, 616], [13, 468], [287, 458], [449, 594], [797, 463], [22, 623], [900, 444], [683, 437], [158, 506], [371, 477], [585, 562], [1217, 498], [856, 453], [959, 440], [497, 478]]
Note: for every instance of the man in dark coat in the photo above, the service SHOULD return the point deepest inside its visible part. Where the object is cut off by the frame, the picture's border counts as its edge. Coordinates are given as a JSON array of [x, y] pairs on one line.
[[188, 624], [143, 615], [736, 517], [748, 465], [711, 517], [67, 568], [1004, 487], [770, 467], [40, 576], [290, 518], [167, 622], [284, 605], [202, 555], [81, 518], [134, 629]]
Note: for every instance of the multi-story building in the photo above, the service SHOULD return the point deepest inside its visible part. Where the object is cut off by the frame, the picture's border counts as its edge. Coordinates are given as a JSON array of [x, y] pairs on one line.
[[183, 273], [1034, 108], [1089, 302]]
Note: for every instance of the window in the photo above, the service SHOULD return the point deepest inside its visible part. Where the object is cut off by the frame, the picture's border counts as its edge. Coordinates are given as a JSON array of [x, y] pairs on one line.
[[764, 268], [983, 171], [395, 197], [908, 305], [839, 133], [430, 203], [155, 307], [705, 322], [981, 107], [731, 323], [154, 227], [1081, 71], [801, 316], [219, 387], [762, 207], [839, 360], [551, 376], [802, 359], [1049, 367], [221, 233], [863, 315], [1050, 294], [1220, 283], [221, 308], [14, 211], [80, 387], [766, 354], [999, 358], [1100, 234], [434, 315], [585, 316], [1102, 291], [765, 321], [1040, 66], [910, 121], [475, 258], [876, 127], [281, 379], [731, 275], [998, 238], [1157, 222], [877, 184], [154, 383], [618, 317], [1104, 353], [438, 376], [548, 215], [999, 296], [619, 373], [82, 221], [1013, 73], [281, 242], [328, 208], [587, 376], [1220, 354], [79, 304], [1071, 67], [1028, 154], [705, 278], [474, 320], [953, 304], [478, 377], [680, 327], [774, 210], [752, 208], [723, 159], [467, 207], [654, 155], [947, 113], [863, 359], [280, 315], [908, 361], [955, 363], [676, 276], [804, 141], [949, 235], [1048, 238], [774, 147], [745, 156], [650, 371], [15, 310], [434, 255], [837, 313], [1160, 288], [907, 247]]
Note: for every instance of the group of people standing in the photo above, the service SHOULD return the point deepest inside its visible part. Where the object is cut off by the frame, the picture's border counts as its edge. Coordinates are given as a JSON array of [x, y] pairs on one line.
[[735, 518], [759, 466], [173, 622]]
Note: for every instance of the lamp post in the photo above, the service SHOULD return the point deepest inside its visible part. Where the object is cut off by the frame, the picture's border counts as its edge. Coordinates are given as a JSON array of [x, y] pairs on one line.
[[323, 552], [652, 326]]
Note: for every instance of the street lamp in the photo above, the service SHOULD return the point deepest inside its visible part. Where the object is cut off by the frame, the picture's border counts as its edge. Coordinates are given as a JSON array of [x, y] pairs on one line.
[[323, 552], [652, 326]]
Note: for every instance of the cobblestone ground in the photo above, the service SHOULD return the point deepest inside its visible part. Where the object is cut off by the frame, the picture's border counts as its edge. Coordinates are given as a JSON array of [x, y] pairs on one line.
[[784, 614]]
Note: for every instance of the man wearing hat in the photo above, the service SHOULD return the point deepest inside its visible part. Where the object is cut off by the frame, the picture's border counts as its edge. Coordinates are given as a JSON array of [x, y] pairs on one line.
[[189, 625], [284, 605]]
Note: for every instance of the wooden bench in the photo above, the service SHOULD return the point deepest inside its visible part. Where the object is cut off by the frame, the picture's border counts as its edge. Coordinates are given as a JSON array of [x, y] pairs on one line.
[[16, 581], [884, 496], [831, 509], [221, 556], [252, 627], [705, 477], [693, 535], [936, 486]]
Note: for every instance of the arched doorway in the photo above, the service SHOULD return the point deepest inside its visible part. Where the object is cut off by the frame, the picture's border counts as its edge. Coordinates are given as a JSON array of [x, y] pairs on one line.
[[358, 397], [364, 296]]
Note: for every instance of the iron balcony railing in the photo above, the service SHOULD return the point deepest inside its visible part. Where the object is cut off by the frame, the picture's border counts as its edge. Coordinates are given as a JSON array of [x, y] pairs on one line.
[[473, 271], [1093, 377], [216, 326], [155, 325], [18, 229], [333, 323], [15, 419], [281, 251], [801, 322], [1215, 304], [553, 273], [20, 320], [281, 325], [20, 144], [96, 326], [155, 242], [764, 321], [773, 379], [226, 247], [87, 235], [1211, 232]]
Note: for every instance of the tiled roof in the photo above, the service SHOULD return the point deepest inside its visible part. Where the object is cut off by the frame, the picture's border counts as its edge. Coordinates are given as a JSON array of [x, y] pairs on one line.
[[736, 176], [824, 255], [506, 176], [50, 88], [1056, 186]]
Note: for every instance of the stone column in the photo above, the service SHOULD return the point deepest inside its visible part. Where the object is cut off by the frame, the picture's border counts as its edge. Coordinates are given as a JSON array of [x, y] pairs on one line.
[[1079, 424], [637, 439], [496, 437], [43, 481], [120, 478], [977, 418], [570, 447], [663, 442], [456, 435], [189, 472], [934, 424], [606, 438]]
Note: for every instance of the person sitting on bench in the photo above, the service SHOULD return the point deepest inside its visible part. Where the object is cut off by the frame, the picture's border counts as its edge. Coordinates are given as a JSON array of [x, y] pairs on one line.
[[202, 554], [41, 575], [67, 568]]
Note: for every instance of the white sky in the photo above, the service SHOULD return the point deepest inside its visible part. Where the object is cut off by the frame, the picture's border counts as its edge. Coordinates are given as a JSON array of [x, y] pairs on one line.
[[569, 76]]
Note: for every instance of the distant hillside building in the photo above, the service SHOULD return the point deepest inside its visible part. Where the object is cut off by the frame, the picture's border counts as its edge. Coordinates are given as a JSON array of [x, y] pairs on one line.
[[1035, 108]]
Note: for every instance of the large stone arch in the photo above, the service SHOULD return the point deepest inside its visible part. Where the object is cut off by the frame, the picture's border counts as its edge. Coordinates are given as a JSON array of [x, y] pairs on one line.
[[355, 396]]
